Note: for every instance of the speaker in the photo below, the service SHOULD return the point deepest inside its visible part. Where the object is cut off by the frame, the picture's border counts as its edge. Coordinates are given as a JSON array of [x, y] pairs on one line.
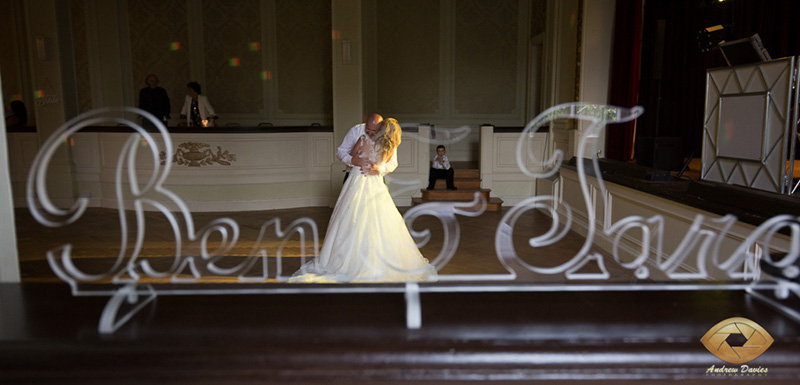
[[661, 152]]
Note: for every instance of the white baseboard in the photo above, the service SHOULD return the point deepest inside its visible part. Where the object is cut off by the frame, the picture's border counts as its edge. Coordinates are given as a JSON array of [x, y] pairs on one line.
[[512, 200]]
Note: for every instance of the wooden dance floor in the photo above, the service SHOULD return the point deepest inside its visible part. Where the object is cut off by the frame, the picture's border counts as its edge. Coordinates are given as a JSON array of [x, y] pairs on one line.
[[96, 241], [517, 335]]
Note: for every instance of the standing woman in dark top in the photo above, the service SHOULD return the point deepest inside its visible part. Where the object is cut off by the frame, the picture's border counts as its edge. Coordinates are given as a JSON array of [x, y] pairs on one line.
[[154, 99], [18, 115]]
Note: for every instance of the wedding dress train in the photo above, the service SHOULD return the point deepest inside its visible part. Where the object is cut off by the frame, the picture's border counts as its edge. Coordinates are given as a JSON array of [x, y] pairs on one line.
[[367, 239]]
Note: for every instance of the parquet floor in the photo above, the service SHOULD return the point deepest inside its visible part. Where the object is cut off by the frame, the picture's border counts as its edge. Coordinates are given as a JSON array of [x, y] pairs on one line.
[[96, 243]]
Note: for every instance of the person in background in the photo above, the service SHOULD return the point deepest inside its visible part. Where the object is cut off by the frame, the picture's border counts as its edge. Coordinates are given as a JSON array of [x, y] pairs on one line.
[[154, 99], [18, 115], [196, 107], [440, 169]]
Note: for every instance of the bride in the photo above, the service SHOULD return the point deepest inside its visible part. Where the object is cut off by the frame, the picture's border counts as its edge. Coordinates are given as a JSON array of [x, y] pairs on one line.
[[367, 238]]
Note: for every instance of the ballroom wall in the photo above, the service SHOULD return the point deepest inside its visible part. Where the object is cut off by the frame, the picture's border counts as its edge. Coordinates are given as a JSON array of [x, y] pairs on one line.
[[442, 62], [13, 61], [448, 63]]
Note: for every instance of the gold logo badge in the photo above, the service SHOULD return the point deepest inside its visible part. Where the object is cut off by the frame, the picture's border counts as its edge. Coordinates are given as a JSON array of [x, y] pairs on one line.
[[737, 340]]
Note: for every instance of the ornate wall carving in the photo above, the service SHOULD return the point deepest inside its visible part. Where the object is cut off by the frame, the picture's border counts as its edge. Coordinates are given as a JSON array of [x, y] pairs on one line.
[[154, 26], [197, 154]]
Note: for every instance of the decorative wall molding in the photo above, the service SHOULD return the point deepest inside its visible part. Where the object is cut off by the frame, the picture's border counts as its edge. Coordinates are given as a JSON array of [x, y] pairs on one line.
[[196, 154], [260, 166], [303, 77], [159, 44], [233, 61], [500, 171], [458, 63]]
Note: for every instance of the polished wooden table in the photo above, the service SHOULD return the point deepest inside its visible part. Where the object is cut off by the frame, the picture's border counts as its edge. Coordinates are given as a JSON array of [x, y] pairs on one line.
[[49, 336]]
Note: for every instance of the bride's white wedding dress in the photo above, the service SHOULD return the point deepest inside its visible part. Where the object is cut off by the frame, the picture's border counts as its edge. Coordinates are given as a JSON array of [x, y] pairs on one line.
[[367, 238]]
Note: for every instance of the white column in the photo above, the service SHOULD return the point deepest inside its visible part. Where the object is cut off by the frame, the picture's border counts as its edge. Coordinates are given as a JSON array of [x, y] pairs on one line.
[[487, 155], [595, 73], [9, 260], [49, 48], [348, 74], [560, 53], [111, 75], [423, 155]]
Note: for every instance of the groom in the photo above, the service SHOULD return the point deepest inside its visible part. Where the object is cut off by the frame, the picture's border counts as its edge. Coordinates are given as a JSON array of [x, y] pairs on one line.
[[370, 128]]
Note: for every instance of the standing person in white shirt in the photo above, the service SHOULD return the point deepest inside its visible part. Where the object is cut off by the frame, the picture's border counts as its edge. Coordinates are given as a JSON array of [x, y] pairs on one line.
[[441, 169], [196, 108], [370, 128]]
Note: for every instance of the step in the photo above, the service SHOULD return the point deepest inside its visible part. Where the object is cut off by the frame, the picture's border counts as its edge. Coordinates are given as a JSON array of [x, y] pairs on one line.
[[461, 184], [466, 173], [460, 164], [464, 195], [493, 205]]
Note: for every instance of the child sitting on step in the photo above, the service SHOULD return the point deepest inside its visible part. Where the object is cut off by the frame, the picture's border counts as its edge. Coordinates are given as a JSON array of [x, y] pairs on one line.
[[441, 169]]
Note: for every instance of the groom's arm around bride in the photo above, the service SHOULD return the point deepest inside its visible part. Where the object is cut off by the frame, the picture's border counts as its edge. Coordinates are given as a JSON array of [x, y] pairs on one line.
[[370, 128]]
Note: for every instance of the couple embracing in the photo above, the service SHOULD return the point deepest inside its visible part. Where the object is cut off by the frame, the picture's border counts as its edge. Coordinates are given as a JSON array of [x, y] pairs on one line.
[[367, 238]]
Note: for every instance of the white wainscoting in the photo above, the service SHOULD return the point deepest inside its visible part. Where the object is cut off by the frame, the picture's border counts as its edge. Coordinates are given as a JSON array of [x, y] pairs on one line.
[[499, 169], [22, 149], [270, 170], [413, 163], [622, 202]]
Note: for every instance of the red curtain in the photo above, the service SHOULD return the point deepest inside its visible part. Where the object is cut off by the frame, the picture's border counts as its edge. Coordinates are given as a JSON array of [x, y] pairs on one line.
[[625, 63]]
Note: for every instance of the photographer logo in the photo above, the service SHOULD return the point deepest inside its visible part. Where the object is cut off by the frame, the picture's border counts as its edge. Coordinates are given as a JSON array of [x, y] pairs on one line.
[[737, 340]]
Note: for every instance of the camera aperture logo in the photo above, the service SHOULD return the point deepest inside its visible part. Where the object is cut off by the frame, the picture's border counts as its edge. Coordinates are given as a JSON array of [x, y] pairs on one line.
[[737, 340]]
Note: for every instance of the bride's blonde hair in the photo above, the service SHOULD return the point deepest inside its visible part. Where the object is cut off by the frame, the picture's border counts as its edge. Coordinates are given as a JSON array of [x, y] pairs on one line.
[[388, 138]]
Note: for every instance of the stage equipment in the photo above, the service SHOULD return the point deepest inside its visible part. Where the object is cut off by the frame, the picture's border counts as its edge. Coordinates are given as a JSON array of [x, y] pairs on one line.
[[744, 51], [711, 37], [661, 152], [750, 123]]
